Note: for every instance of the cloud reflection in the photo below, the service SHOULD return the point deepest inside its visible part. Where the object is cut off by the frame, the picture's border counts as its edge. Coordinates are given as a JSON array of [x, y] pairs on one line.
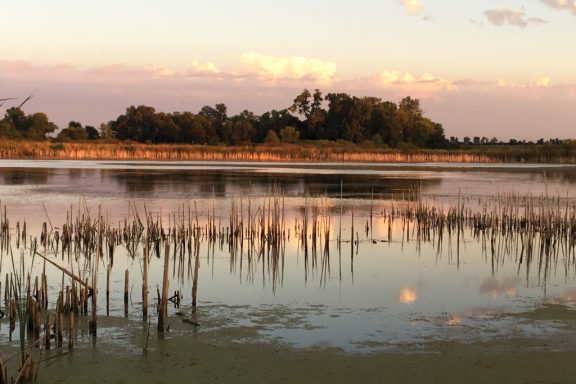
[[407, 295], [496, 289]]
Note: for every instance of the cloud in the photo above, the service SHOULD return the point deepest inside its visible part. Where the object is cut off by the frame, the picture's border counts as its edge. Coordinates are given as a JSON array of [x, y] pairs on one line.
[[163, 72], [395, 77], [419, 85], [531, 108], [563, 5], [293, 67], [412, 7], [515, 18], [207, 67]]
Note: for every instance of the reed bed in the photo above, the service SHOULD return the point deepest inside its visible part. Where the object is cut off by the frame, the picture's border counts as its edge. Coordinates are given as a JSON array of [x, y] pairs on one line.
[[309, 151], [538, 233]]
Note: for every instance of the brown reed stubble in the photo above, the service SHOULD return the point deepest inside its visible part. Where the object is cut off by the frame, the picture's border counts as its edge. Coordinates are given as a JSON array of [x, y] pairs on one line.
[[535, 231]]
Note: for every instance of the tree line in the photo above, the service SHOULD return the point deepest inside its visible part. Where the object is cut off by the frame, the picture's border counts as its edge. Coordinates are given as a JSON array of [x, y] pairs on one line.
[[368, 121], [312, 116]]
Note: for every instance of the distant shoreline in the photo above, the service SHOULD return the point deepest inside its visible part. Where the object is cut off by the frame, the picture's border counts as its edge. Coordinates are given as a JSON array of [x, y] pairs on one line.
[[303, 152]]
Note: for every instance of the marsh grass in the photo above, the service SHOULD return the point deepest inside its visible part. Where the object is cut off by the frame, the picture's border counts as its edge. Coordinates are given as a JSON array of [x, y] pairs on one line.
[[304, 151]]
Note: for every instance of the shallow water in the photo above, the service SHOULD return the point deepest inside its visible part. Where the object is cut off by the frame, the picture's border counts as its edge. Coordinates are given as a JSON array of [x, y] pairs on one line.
[[377, 293]]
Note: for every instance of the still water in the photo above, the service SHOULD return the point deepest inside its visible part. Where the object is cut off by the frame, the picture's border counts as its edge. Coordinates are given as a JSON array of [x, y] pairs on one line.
[[381, 291]]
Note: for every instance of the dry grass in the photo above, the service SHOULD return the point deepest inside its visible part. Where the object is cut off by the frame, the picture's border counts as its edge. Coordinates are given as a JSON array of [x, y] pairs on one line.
[[317, 151], [302, 152]]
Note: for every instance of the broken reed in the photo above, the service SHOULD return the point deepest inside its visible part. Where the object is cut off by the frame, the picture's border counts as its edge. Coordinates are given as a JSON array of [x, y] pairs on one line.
[[531, 230]]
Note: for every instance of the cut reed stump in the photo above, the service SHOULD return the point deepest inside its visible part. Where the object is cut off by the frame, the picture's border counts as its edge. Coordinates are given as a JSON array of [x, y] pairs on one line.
[[163, 310], [47, 332], [126, 284], [145, 284]]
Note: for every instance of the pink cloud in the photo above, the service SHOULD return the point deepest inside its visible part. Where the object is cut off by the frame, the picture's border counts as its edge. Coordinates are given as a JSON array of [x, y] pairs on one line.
[[563, 5], [538, 107], [513, 17]]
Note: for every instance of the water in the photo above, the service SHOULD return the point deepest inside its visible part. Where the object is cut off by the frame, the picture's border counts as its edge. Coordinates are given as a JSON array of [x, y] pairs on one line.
[[377, 294]]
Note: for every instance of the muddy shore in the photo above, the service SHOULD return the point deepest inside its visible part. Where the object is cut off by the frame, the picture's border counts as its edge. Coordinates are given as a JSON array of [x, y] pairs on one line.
[[190, 353]]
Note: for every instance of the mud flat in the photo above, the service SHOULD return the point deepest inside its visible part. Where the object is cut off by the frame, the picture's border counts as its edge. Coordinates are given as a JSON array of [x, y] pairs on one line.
[[215, 352]]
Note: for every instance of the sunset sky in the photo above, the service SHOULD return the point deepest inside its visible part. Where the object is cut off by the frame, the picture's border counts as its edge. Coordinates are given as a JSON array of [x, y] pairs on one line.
[[481, 68]]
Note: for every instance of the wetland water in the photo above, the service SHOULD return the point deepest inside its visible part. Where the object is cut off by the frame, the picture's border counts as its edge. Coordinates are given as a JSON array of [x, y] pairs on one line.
[[384, 290]]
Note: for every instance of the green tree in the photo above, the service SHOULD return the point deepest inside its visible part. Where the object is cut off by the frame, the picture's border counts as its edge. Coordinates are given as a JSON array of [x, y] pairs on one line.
[[75, 131], [309, 106], [274, 120], [138, 124], [106, 131], [271, 137], [92, 132], [289, 134], [17, 124]]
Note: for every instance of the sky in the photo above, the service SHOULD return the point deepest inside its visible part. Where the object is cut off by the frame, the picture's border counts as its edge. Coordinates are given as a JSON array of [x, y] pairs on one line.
[[504, 69]]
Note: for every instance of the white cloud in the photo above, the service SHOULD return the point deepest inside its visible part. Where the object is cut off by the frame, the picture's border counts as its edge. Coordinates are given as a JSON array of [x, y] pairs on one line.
[[412, 7], [163, 72], [513, 17], [418, 85], [293, 67], [207, 67], [565, 5]]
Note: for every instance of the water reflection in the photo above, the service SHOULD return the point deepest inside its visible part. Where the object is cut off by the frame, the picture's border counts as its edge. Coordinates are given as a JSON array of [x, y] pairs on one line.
[[407, 295], [241, 246], [25, 176], [495, 288]]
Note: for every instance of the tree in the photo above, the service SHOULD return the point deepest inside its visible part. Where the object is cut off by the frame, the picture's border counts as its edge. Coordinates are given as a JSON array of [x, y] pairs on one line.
[[217, 116], [271, 137], [73, 132], [310, 106], [106, 131], [193, 128], [92, 133], [136, 124], [302, 104], [411, 107], [274, 120], [289, 134], [385, 124], [17, 124]]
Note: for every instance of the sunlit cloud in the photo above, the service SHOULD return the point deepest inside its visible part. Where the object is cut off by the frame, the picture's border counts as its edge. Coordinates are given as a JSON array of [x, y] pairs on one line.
[[207, 67], [412, 7], [407, 295], [419, 85], [293, 67], [512, 17], [564, 5], [163, 72]]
